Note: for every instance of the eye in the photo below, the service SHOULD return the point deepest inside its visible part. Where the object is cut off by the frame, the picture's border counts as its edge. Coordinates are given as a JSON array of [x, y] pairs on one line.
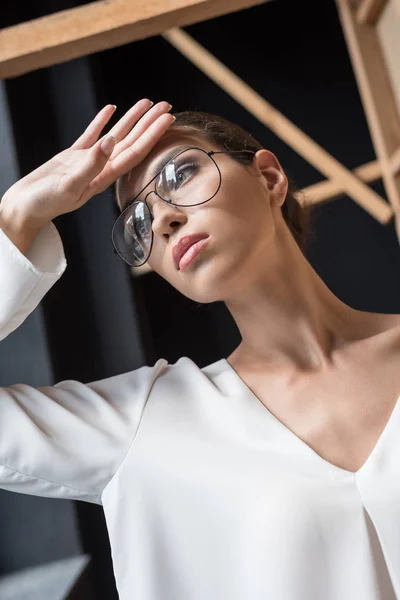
[[183, 173]]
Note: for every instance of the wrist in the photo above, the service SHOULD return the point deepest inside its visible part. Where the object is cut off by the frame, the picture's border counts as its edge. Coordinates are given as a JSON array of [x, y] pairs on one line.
[[18, 227]]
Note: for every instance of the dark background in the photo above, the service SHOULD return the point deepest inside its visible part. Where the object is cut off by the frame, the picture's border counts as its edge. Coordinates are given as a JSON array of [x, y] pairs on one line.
[[98, 320]]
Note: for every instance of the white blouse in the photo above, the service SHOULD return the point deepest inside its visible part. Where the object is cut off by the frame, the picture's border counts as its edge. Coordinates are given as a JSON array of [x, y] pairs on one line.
[[206, 495]]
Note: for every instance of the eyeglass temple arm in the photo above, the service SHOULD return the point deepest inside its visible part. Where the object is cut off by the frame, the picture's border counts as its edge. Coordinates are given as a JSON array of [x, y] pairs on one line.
[[231, 152]]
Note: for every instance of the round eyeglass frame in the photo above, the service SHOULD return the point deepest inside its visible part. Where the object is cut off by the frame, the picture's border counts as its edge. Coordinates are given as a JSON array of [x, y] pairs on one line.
[[210, 154]]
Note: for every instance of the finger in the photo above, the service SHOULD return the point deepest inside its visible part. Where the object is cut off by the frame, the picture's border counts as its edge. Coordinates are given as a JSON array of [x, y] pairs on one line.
[[143, 145], [144, 123], [93, 164], [93, 130], [125, 124], [134, 155]]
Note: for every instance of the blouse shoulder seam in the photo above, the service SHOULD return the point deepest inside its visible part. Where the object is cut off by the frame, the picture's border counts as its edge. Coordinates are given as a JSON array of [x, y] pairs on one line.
[[89, 492]]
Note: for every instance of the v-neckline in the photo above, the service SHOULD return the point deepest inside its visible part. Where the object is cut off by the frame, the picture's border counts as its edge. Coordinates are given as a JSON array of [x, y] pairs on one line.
[[302, 443]]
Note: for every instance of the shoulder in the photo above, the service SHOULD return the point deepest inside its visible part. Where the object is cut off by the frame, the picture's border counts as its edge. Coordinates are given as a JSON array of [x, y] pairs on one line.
[[380, 339], [391, 326], [383, 327], [387, 341]]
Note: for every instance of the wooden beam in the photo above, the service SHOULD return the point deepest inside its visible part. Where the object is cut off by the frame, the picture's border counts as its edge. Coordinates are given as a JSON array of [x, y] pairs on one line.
[[369, 11], [376, 94], [98, 26], [279, 124], [395, 162], [328, 190], [388, 32]]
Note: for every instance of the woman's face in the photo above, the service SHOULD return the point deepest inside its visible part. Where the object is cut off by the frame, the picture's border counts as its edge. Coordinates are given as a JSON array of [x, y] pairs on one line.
[[240, 220]]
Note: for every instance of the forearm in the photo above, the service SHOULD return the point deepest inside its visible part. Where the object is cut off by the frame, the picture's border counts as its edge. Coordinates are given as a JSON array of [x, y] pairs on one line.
[[26, 279]]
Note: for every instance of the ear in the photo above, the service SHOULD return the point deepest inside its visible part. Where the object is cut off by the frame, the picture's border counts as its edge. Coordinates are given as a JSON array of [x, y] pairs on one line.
[[274, 176]]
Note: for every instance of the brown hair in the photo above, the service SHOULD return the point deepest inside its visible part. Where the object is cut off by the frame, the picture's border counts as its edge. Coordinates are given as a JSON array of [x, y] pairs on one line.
[[229, 136]]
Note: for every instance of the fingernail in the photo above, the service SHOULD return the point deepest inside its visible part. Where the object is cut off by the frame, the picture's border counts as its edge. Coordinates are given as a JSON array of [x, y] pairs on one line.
[[174, 118], [107, 145], [114, 106]]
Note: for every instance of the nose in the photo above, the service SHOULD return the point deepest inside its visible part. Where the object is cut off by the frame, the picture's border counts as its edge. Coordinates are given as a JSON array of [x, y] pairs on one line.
[[166, 217]]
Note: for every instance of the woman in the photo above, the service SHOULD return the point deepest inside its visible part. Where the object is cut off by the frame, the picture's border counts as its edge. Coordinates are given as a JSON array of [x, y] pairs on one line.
[[266, 475]]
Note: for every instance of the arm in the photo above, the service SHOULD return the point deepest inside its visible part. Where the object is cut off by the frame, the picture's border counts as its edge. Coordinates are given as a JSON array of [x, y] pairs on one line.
[[66, 440], [18, 232], [26, 278]]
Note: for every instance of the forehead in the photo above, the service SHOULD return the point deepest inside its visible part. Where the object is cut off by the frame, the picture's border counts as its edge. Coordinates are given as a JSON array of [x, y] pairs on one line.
[[132, 183]]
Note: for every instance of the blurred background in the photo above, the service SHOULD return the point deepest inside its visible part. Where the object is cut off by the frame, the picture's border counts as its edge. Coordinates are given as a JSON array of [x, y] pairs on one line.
[[101, 319]]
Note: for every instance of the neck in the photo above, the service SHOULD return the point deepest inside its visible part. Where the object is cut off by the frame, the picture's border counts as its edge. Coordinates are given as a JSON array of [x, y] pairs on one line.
[[289, 320]]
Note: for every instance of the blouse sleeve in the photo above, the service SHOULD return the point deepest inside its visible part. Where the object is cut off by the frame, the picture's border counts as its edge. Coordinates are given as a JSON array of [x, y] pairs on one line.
[[66, 440]]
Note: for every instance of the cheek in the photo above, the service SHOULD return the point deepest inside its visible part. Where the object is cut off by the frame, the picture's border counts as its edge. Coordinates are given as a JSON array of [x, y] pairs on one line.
[[158, 258], [244, 203]]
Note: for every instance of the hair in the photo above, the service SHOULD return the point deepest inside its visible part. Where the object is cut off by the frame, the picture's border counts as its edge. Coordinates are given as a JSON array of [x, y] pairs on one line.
[[229, 136]]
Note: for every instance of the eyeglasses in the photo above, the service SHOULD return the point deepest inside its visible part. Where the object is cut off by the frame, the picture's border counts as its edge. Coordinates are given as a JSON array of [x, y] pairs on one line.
[[190, 178]]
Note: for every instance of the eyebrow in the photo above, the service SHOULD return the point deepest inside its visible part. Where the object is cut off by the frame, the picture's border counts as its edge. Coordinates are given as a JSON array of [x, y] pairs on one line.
[[157, 167]]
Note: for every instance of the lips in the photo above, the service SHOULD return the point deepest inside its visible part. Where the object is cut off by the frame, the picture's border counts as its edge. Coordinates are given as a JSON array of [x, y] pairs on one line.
[[184, 244]]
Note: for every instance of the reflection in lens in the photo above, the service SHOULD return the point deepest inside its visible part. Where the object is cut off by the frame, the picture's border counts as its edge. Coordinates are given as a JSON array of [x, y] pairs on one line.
[[137, 232], [190, 178]]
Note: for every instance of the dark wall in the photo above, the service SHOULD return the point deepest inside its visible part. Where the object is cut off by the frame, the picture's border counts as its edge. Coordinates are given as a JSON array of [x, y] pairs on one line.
[[32, 530], [294, 55]]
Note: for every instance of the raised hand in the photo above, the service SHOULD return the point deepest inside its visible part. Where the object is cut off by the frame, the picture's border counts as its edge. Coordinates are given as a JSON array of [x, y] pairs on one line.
[[68, 180]]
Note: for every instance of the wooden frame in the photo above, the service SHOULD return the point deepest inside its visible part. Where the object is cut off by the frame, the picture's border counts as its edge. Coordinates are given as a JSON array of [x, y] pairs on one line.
[[369, 11], [280, 125], [359, 24], [330, 189], [97, 26]]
